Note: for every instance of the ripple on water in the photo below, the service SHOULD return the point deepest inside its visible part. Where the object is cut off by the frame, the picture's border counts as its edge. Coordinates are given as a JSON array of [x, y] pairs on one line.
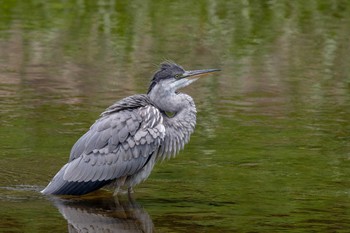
[[18, 193]]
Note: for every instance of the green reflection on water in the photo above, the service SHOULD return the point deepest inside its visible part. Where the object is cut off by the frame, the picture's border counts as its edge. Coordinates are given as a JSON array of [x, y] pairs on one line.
[[271, 147]]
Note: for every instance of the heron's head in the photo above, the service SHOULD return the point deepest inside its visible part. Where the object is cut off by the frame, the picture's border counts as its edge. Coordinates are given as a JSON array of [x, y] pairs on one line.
[[172, 77]]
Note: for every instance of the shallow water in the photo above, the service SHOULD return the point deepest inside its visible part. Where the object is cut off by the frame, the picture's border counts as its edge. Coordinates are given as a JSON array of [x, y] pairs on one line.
[[271, 150]]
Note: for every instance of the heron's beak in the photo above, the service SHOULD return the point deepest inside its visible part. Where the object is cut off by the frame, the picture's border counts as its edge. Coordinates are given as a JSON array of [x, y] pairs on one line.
[[198, 73], [189, 77]]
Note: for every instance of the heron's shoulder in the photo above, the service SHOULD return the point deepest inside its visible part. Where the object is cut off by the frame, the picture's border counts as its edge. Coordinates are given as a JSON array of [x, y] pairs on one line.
[[128, 103]]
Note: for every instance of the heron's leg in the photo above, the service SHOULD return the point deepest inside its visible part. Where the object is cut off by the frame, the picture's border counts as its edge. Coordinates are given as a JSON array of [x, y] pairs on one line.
[[116, 200], [120, 182], [130, 190], [116, 191], [130, 196]]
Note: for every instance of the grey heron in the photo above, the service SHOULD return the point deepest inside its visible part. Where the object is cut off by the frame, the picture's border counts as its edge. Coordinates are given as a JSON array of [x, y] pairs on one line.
[[123, 145]]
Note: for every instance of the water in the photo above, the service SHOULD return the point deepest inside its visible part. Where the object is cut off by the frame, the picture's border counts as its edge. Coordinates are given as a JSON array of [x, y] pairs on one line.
[[271, 149]]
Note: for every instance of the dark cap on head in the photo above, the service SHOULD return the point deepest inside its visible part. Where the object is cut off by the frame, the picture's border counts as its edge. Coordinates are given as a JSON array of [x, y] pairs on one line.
[[167, 70]]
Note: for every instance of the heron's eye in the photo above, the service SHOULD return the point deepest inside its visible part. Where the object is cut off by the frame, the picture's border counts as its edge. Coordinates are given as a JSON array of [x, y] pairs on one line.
[[177, 76]]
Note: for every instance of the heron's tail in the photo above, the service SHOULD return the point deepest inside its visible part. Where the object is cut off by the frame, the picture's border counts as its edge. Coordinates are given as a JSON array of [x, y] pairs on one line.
[[60, 186]]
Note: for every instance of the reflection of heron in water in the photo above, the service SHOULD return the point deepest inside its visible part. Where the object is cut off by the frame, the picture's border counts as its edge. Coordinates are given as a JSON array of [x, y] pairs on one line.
[[103, 215]]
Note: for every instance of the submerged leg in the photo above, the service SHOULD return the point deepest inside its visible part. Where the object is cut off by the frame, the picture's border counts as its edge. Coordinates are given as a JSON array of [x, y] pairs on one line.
[[130, 196], [116, 191], [120, 182]]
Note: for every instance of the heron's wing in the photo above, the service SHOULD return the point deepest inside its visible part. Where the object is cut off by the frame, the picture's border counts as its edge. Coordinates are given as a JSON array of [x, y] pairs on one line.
[[119, 121], [118, 144]]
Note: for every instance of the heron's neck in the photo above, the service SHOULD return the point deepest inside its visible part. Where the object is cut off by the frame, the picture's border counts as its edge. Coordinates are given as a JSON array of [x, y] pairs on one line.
[[179, 127], [184, 112]]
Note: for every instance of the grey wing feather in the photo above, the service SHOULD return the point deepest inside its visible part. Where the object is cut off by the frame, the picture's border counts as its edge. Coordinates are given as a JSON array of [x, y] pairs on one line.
[[108, 151]]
